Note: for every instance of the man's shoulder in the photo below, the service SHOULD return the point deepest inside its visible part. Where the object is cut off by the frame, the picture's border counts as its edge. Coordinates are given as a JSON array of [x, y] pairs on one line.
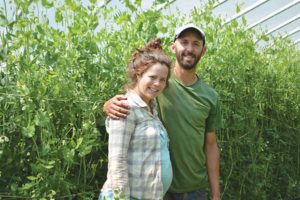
[[209, 89]]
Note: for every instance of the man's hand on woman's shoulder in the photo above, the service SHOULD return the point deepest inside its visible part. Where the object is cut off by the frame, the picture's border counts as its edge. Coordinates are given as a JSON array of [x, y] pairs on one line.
[[115, 108]]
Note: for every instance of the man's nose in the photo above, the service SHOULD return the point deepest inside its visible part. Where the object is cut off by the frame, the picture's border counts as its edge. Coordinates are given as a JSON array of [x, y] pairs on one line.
[[189, 48]]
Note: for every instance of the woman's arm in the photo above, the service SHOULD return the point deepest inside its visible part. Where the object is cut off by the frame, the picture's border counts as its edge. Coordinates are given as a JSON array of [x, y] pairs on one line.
[[120, 132]]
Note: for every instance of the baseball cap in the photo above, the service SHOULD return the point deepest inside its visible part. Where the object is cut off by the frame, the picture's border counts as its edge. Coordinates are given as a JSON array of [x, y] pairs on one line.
[[189, 26]]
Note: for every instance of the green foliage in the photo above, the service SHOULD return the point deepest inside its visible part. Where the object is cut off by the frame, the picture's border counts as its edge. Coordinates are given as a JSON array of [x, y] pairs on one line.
[[54, 81], [260, 96]]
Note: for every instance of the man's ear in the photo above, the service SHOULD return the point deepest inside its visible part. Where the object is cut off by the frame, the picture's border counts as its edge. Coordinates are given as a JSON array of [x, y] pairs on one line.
[[172, 47], [203, 51]]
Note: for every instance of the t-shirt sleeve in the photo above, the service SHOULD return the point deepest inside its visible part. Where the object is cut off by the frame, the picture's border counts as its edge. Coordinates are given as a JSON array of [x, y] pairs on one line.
[[214, 121]]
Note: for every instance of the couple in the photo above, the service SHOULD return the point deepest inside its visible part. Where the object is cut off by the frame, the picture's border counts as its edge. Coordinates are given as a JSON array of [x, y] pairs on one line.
[[139, 164]]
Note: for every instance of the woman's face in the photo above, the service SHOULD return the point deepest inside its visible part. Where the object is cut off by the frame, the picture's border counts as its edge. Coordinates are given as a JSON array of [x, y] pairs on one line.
[[151, 83]]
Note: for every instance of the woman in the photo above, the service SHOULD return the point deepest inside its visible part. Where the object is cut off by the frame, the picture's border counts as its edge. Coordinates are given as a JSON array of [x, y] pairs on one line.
[[139, 165]]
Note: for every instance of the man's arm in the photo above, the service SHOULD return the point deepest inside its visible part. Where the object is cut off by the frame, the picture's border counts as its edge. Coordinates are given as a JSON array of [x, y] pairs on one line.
[[115, 108], [213, 163]]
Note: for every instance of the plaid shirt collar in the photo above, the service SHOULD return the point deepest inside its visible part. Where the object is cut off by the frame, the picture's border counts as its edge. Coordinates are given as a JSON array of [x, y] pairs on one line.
[[137, 101]]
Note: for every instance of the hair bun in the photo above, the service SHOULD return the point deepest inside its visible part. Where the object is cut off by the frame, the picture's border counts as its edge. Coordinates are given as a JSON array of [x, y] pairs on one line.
[[154, 44]]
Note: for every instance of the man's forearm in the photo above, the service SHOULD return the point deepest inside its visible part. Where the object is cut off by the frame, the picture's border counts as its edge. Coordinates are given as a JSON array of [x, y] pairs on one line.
[[213, 167], [105, 107]]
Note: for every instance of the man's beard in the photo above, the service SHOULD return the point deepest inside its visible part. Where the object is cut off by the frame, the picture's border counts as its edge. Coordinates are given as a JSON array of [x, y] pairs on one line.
[[186, 65]]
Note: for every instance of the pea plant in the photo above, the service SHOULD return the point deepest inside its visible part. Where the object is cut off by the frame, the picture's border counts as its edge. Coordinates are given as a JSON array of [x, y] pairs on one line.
[[58, 69]]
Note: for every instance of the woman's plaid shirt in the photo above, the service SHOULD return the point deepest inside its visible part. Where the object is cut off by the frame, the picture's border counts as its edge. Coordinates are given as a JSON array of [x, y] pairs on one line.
[[134, 165]]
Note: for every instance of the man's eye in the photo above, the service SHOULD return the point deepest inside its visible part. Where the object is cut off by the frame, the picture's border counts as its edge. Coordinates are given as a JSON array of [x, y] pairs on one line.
[[184, 42]]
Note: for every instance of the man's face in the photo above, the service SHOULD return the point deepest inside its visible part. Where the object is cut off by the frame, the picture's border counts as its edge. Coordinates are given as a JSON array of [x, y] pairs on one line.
[[188, 49]]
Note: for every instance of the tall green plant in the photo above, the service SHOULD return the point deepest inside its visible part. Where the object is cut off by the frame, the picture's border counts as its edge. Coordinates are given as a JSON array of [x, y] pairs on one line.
[[55, 79], [259, 90], [53, 86]]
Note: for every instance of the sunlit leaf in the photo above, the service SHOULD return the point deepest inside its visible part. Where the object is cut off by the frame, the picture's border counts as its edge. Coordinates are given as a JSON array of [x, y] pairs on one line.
[[58, 16], [244, 21], [31, 178], [28, 131], [40, 30], [47, 4], [3, 20], [42, 119], [234, 24], [138, 2], [237, 8], [265, 37], [78, 143]]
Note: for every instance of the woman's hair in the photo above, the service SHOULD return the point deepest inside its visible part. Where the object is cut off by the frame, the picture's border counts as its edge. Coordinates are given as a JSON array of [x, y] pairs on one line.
[[143, 59]]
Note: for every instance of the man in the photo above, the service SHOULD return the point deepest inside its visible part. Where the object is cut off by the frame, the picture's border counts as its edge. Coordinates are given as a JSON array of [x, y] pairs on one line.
[[190, 111]]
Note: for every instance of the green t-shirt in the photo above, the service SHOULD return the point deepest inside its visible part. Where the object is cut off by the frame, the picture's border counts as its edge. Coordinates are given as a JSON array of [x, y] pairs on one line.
[[188, 112]]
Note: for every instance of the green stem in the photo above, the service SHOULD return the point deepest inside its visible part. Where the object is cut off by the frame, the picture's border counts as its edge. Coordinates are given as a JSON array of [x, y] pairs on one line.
[[5, 10], [84, 171]]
